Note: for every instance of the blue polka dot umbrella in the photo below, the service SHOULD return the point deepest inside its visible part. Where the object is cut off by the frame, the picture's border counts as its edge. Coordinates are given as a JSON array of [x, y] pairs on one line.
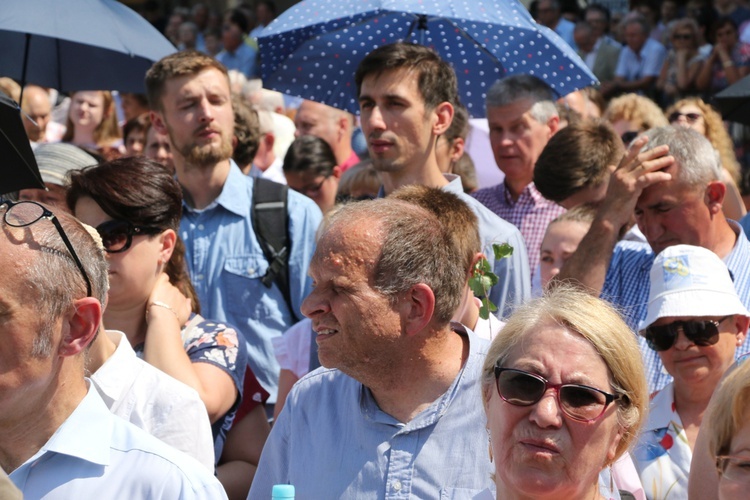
[[312, 50]]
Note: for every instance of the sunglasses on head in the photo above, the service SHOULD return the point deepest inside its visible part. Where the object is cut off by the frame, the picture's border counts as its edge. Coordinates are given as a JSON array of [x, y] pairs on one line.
[[699, 332], [117, 235], [690, 117], [579, 402]]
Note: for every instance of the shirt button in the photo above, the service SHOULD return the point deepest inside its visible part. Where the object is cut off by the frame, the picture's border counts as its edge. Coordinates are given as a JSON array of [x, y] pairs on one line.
[[200, 227], [199, 277], [397, 485], [250, 270]]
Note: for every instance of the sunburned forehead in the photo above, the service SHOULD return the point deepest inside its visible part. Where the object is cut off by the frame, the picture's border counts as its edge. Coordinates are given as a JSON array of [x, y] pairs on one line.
[[346, 245]]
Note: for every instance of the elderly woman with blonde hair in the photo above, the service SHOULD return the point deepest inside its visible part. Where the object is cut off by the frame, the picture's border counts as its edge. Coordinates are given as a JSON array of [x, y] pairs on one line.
[[632, 114], [565, 395]]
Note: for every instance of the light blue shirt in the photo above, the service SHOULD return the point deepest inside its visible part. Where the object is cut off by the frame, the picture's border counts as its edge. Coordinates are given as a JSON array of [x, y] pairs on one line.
[[95, 454], [226, 264], [242, 59], [648, 62], [627, 287], [565, 29], [514, 284], [332, 440]]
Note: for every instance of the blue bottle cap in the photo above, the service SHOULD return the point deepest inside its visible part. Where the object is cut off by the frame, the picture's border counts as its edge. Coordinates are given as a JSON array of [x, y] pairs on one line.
[[280, 491]]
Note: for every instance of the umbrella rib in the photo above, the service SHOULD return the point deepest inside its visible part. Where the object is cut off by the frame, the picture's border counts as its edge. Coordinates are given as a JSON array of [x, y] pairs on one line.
[[478, 45]]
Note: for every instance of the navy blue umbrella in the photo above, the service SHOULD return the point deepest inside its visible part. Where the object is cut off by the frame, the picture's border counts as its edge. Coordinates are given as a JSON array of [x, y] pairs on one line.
[[78, 44], [18, 169], [312, 50]]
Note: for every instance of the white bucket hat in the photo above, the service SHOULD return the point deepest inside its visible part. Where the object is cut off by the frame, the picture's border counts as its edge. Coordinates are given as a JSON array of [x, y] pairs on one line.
[[690, 281]]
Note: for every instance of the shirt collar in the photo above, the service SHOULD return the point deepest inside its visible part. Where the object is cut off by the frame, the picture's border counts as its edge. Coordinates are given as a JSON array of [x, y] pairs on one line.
[[116, 373], [233, 196], [429, 416], [662, 411], [86, 434], [529, 192]]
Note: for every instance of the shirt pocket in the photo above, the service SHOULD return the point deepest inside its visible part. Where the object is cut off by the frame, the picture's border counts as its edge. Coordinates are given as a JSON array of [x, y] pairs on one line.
[[243, 289]]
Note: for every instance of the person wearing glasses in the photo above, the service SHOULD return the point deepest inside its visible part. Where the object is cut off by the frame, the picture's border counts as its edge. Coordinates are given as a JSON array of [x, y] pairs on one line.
[[683, 62], [135, 204], [57, 437], [565, 395], [728, 432], [695, 113], [670, 180], [695, 322], [310, 168]]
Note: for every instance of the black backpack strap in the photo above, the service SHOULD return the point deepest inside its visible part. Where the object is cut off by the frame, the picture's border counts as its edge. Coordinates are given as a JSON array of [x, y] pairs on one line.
[[269, 212]]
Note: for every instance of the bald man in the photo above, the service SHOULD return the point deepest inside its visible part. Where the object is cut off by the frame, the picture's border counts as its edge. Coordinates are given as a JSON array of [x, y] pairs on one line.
[[330, 124], [36, 106]]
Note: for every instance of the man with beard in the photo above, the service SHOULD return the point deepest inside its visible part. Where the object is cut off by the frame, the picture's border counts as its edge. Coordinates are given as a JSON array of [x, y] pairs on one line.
[[191, 103]]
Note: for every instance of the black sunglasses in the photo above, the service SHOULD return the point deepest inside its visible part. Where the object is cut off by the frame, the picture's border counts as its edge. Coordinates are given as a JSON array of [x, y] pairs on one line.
[[682, 36], [117, 235], [579, 402], [690, 117], [26, 213], [699, 332]]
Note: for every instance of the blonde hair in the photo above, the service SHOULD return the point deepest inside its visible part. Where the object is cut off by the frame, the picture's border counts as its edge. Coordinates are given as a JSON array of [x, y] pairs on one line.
[[728, 410], [716, 134], [108, 130], [641, 111], [600, 324]]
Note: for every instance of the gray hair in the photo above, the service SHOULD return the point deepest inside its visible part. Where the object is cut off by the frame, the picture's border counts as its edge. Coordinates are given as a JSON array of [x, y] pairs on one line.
[[54, 278], [698, 160], [415, 248], [510, 89], [636, 19]]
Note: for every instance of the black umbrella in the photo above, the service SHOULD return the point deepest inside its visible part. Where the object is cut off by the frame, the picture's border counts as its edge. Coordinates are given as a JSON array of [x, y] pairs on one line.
[[734, 102], [18, 168]]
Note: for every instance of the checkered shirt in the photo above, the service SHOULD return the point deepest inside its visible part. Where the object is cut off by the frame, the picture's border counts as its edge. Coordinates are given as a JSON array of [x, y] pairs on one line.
[[531, 214]]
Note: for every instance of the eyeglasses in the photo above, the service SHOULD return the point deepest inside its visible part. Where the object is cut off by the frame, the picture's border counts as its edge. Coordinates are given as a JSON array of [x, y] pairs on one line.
[[682, 36], [701, 333], [735, 469], [579, 402], [117, 235], [690, 117], [26, 213], [314, 189]]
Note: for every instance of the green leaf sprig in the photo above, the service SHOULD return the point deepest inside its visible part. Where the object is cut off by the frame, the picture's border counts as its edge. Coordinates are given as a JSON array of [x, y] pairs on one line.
[[483, 279]]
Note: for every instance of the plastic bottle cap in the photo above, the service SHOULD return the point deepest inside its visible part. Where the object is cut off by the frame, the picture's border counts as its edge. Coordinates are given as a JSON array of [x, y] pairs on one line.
[[280, 491]]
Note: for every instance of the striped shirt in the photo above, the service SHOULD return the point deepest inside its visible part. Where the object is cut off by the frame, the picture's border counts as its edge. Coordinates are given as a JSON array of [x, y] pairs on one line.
[[627, 287], [531, 214]]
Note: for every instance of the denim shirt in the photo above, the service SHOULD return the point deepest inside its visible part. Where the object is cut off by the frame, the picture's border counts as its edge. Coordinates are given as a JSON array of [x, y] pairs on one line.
[[332, 440], [226, 264]]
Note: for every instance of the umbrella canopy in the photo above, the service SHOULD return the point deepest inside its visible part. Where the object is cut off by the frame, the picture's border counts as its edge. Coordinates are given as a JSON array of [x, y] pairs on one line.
[[78, 44], [18, 170], [312, 50], [734, 102]]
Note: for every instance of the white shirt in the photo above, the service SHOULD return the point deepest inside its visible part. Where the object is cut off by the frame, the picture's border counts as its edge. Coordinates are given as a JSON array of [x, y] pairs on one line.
[[157, 403], [292, 349], [275, 171], [96, 455]]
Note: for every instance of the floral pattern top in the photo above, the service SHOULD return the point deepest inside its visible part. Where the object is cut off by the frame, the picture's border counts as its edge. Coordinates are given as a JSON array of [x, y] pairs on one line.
[[208, 341], [662, 455], [740, 57]]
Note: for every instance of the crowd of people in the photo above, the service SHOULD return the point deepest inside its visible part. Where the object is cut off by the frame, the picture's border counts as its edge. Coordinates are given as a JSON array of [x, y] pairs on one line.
[[223, 289]]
